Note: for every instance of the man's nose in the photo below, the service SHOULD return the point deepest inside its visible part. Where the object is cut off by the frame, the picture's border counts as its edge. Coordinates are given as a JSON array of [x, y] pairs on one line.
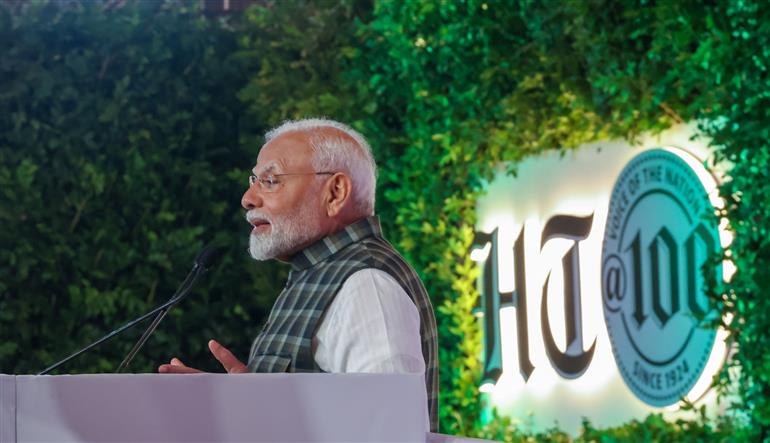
[[251, 198]]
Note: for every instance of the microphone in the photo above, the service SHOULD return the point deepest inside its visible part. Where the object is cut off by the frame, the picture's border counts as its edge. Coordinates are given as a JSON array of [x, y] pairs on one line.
[[203, 261], [207, 257]]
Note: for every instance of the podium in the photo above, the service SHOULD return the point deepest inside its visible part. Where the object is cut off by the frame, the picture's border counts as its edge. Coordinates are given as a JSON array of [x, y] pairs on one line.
[[214, 408]]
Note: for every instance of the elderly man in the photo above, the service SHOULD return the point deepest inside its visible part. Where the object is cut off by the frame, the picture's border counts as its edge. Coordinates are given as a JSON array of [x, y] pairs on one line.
[[352, 303]]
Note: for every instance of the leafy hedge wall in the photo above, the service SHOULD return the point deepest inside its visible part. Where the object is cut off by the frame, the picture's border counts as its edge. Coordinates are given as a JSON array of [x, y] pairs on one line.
[[119, 159], [444, 90]]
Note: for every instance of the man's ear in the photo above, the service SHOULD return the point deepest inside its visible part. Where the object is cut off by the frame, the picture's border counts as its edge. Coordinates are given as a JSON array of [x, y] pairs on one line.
[[338, 194]]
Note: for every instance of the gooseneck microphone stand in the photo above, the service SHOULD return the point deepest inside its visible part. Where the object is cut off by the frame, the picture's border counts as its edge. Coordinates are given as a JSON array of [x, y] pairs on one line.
[[203, 262], [182, 292]]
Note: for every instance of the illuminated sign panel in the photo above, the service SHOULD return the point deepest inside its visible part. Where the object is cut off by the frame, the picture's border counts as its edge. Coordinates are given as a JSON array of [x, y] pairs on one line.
[[591, 284], [660, 230]]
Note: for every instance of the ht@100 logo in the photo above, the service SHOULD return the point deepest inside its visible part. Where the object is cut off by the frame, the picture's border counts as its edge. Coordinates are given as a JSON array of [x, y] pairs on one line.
[[660, 230]]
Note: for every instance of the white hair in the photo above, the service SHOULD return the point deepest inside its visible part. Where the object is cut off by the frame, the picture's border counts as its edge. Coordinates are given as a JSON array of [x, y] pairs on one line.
[[335, 153]]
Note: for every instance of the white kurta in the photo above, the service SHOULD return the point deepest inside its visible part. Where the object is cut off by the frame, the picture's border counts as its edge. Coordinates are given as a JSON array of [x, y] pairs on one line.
[[371, 326]]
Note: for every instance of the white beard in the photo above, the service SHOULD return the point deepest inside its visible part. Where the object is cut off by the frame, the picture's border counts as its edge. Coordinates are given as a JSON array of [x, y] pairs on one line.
[[286, 234]]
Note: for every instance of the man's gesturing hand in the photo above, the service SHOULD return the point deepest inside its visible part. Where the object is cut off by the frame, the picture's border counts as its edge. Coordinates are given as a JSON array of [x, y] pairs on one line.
[[231, 364]]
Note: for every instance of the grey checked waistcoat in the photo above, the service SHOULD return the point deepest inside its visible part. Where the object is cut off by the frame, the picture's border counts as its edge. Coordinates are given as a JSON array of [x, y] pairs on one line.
[[318, 272]]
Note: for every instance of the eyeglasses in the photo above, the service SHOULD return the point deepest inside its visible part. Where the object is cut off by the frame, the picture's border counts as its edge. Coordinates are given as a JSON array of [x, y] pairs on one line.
[[272, 182]]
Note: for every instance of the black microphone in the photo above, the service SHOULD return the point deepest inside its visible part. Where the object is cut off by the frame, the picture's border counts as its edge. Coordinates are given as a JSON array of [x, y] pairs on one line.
[[203, 261], [207, 257]]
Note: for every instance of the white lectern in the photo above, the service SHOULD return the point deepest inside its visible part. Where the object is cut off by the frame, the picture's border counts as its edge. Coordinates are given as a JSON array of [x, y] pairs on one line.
[[214, 408]]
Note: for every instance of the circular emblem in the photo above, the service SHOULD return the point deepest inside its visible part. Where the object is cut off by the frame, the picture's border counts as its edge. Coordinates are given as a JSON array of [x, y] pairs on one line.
[[660, 230]]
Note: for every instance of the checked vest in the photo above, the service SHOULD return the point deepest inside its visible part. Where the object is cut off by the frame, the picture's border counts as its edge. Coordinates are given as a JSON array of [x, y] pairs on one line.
[[317, 273]]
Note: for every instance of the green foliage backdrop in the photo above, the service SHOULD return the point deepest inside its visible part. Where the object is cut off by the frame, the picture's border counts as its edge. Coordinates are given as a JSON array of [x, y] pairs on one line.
[[119, 159], [123, 144]]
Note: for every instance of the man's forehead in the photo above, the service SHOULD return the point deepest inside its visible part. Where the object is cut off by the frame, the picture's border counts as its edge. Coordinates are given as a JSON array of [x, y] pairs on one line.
[[284, 150], [285, 147]]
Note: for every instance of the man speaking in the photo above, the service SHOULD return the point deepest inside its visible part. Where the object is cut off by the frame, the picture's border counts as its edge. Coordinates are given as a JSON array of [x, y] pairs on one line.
[[351, 303]]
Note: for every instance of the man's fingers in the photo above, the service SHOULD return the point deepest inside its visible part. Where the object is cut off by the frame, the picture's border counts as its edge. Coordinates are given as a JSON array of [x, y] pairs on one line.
[[231, 364], [176, 369]]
